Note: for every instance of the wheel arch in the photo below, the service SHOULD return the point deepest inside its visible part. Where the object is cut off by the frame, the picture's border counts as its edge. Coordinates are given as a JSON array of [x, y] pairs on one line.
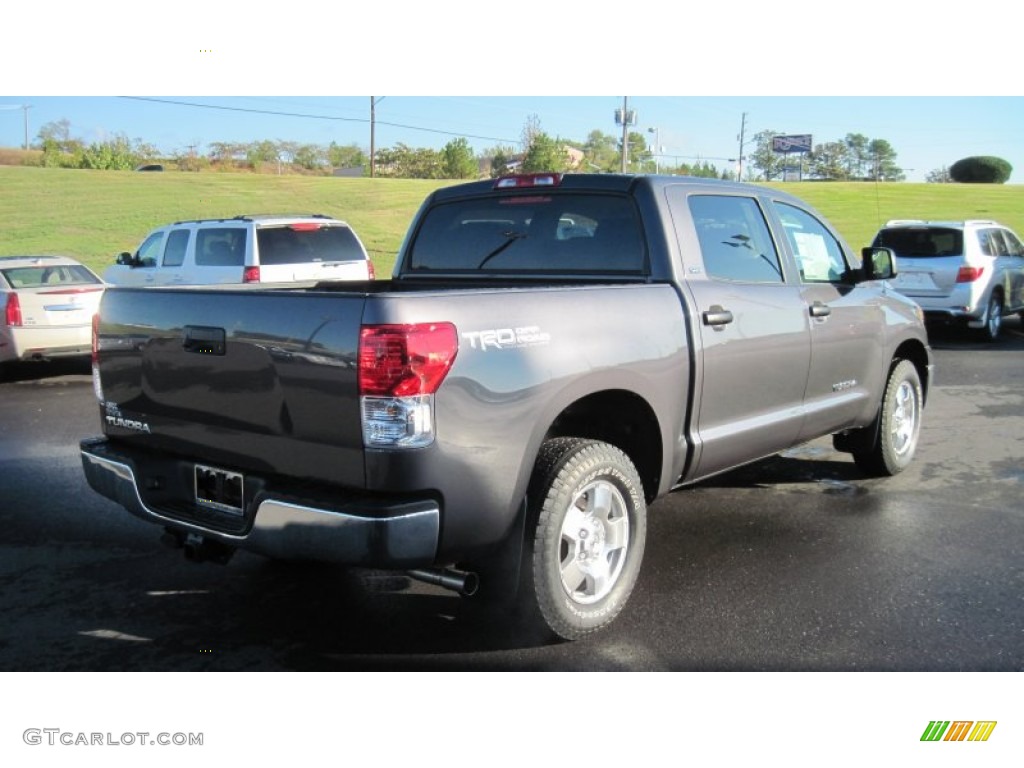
[[916, 353], [620, 418]]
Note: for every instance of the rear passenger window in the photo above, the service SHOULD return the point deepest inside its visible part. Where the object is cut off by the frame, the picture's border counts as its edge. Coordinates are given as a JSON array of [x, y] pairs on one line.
[[992, 243], [220, 247], [177, 244], [1013, 244], [734, 239]]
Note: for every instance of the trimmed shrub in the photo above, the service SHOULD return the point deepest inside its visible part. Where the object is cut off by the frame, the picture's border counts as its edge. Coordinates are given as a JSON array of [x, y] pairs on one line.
[[981, 170]]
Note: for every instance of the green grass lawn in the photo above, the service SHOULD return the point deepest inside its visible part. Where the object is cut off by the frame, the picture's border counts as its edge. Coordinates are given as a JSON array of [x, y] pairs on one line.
[[858, 209], [94, 215]]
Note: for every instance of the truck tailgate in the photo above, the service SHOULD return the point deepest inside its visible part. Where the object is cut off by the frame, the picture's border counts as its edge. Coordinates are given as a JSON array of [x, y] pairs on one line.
[[242, 379]]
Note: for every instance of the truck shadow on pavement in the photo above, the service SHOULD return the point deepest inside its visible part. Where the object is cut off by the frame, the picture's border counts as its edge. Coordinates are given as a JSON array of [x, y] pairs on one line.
[[814, 464], [307, 617]]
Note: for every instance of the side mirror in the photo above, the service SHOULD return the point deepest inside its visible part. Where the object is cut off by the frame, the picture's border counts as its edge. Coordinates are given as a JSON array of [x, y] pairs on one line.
[[124, 259], [879, 263]]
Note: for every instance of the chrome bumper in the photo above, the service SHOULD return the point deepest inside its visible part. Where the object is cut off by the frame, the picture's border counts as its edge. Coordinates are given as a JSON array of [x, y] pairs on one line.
[[401, 534]]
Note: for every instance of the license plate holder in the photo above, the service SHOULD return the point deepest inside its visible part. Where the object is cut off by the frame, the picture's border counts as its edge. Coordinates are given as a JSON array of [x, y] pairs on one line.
[[220, 489]]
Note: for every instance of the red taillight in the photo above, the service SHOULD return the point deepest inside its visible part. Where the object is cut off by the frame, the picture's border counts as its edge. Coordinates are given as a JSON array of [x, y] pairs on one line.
[[251, 275], [405, 360], [12, 314], [969, 274], [371, 273], [305, 226]]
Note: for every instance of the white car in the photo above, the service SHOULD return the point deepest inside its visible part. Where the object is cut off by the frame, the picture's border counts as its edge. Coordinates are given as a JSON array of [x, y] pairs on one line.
[[47, 305], [245, 249], [970, 272]]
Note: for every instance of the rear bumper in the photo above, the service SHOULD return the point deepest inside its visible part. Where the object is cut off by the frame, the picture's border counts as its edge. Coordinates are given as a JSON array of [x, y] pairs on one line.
[[360, 531], [955, 316], [965, 303], [43, 343]]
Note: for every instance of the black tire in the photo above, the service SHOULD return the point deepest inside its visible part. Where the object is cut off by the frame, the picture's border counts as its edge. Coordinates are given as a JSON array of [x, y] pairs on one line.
[[993, 319], [898, 425], [589, 519]]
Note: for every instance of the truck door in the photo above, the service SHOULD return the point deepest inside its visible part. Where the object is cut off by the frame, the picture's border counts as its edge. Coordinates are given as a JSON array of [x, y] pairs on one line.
[[754, 336], [847, 325]]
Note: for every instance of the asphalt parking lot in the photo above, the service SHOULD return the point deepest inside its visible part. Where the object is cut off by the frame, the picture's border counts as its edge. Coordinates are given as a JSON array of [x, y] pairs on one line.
[[794, 563]]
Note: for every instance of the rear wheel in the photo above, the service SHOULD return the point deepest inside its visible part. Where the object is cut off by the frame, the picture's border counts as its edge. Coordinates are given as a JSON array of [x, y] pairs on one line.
[[993, 319], [898, 426], [590, 525]]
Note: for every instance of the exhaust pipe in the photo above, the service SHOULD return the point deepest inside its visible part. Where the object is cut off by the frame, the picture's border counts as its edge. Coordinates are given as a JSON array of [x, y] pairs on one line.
[[463, 582]]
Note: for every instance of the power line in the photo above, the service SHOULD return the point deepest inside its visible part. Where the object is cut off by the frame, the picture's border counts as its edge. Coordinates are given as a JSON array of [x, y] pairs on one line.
[[306, 116]]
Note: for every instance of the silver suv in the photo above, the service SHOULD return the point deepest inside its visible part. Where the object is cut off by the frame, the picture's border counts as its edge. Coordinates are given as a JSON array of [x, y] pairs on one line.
[[967, 271], [245, 249]]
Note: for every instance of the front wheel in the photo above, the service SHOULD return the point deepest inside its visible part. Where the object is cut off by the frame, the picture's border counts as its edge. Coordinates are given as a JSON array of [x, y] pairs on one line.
[[898, 426], [590, 525]]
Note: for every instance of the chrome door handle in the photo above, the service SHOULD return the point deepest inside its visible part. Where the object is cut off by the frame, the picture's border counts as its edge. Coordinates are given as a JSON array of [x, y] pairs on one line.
[[820, 310], [717, 316]]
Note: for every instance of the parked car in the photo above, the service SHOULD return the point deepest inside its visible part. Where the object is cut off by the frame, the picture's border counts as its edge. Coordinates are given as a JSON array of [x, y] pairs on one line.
[[245, 249], [965, 271], [48, 303]]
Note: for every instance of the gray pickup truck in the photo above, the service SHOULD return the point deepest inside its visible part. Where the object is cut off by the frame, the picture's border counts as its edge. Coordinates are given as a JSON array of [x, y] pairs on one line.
[[552, 353]]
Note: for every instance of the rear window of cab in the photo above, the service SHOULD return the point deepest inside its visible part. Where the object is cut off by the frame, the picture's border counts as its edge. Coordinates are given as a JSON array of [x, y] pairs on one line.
[[553, 233]]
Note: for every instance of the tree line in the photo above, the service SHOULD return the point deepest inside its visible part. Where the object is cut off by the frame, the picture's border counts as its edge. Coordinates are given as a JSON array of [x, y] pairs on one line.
[[854, 157]]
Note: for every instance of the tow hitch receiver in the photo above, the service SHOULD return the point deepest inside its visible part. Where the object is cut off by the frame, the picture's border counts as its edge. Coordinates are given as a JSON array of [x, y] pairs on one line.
[[197, 548]]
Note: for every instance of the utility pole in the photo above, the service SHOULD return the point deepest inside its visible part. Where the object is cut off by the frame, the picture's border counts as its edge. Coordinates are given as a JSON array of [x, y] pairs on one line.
[[743, 128], [625, 132], [657, 148], [26, 108], [373, 131], [626, 118]]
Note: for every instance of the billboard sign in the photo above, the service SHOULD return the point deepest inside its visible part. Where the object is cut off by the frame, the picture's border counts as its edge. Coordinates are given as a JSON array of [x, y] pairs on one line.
[[799, 143]]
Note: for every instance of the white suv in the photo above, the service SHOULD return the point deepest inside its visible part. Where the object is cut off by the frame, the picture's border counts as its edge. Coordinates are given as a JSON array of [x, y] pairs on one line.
[[968, 271], [245, 249]]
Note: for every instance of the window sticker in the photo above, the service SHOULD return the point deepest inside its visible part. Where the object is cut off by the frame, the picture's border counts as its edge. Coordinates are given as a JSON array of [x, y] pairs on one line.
[[812, 254]]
